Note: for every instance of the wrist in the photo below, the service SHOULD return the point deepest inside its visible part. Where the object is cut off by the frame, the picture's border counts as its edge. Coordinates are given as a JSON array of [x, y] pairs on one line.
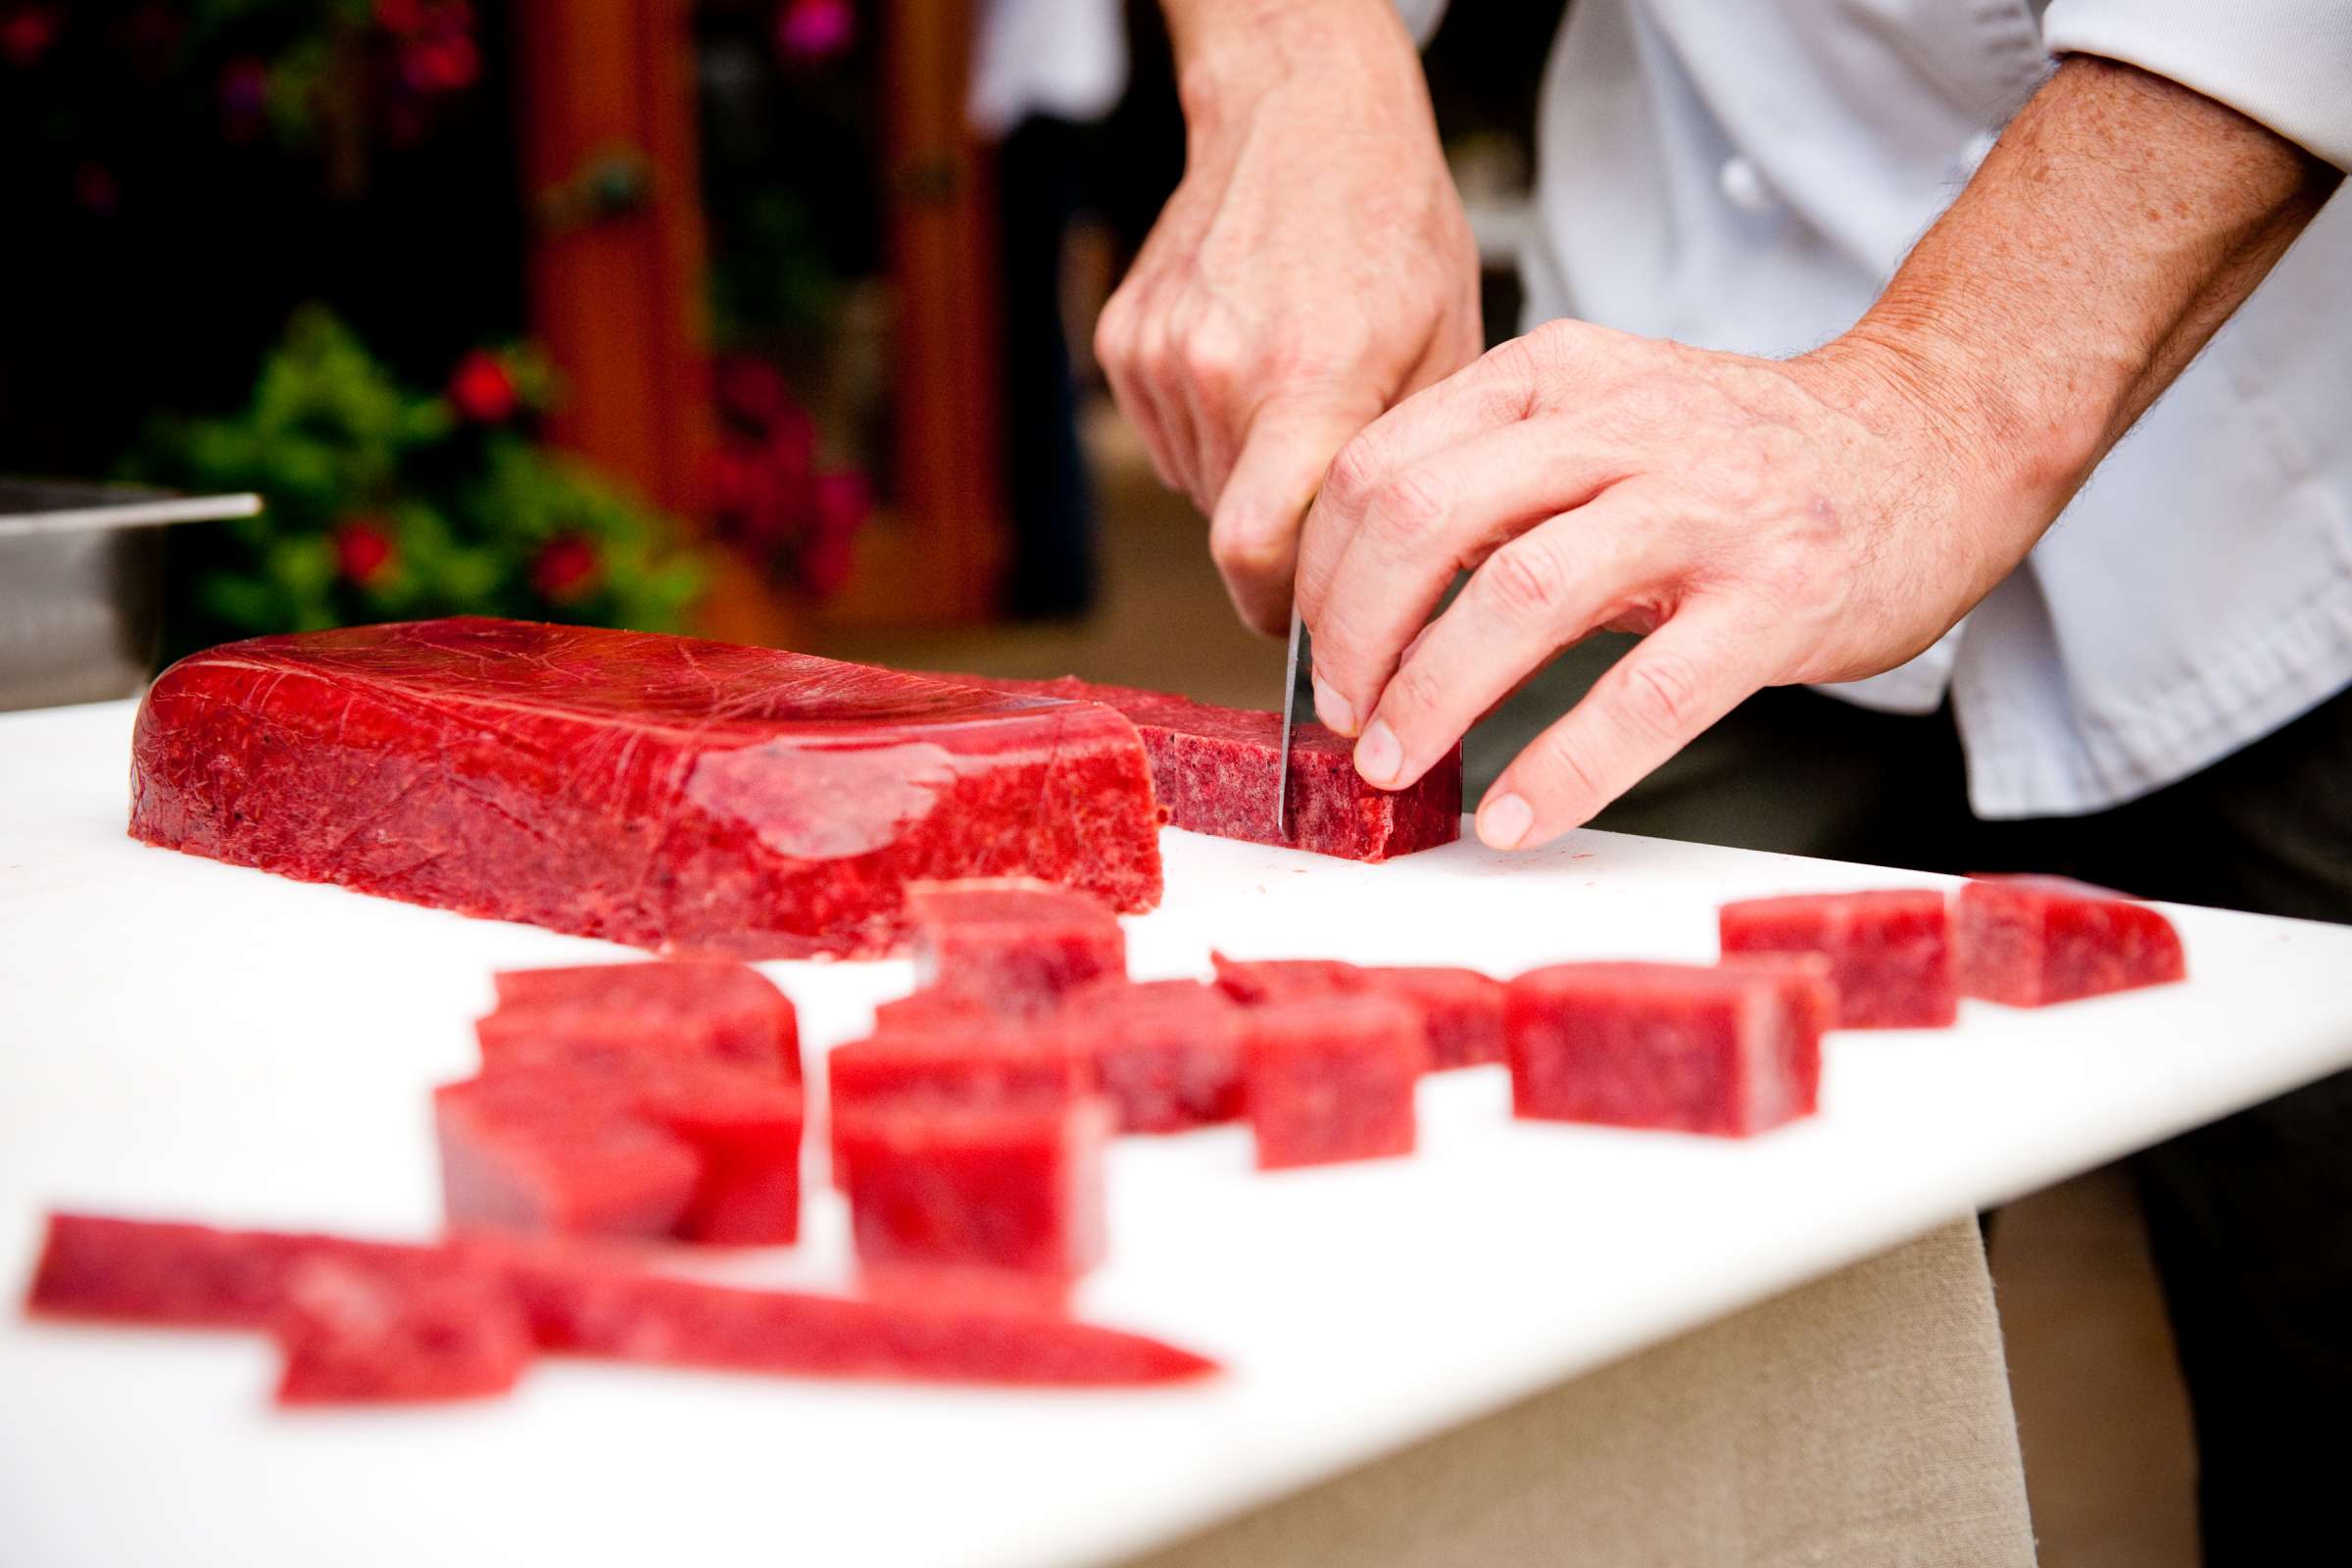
[[1230, 54]]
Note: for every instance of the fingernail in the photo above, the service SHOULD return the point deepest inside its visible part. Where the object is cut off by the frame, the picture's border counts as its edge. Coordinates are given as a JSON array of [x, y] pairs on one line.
[[1333, 709], [1378, 756], [1504, 821]]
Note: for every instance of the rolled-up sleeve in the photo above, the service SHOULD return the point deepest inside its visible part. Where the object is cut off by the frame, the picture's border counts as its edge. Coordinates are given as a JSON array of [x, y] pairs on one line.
[[2284, 63], [1421, 17]]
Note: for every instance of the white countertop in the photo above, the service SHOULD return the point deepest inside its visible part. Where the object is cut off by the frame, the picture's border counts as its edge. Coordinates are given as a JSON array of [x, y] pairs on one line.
[[187, 1040]]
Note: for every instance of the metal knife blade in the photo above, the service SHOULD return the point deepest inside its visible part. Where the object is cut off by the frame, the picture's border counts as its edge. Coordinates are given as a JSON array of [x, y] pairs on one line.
[[1290, 700]]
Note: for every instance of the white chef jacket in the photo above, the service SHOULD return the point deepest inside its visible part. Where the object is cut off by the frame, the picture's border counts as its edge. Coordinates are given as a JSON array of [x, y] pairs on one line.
[[1745, 174]]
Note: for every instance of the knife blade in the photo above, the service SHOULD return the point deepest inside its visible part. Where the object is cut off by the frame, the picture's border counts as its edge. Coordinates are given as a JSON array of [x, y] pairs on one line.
[[1290, 700]]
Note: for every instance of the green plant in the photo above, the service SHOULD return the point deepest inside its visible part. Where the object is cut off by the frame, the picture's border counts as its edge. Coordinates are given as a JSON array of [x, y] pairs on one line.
[[383, 503]]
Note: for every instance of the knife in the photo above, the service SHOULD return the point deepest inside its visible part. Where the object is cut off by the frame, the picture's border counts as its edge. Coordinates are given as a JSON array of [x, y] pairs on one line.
[[1290, 700]]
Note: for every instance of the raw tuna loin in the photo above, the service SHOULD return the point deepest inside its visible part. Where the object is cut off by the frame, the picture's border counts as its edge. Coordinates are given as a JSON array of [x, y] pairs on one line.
[[664, 792], [1215, 769]]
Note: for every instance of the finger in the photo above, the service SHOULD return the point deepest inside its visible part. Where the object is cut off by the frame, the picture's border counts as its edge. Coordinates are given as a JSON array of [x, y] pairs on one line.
[[1680, 679], [1215, 392], [1253, 532], [1116, 351], [1534, 595], [1162, 382], [1367, 590]]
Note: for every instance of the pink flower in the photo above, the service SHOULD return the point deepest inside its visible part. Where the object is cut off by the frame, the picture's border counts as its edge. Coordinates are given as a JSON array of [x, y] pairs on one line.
[[811, 31]]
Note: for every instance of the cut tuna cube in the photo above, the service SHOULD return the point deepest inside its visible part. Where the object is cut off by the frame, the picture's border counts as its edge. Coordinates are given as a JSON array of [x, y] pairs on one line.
[[942, 1337], [664, 792], [357, 1334], [1010, 944], [1215, 769], [1251, 981], [183, 1276], [554, 1151], [1168, 1053], [744, 1133], [928, 1009], [1889, 950], [2029, 941], [1728, 1050], [1813, 985], [604, 1013], [1460, 1010], [1007, 1187], [976, 1059], [1331, 1078]]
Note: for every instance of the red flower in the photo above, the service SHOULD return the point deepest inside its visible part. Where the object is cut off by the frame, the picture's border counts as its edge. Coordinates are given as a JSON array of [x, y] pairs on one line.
[[810, 31], [402, 17], [363, 552], [482, 390], [567, 568], [27, 32]]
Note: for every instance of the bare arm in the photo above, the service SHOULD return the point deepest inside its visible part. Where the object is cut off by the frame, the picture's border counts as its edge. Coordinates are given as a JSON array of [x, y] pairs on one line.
[[1772, 522]]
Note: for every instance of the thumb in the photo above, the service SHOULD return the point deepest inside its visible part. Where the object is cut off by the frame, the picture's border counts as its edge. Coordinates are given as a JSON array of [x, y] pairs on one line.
[[1253, 529]]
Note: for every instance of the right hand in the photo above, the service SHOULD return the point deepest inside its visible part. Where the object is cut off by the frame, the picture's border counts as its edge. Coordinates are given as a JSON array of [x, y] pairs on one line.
[[1312, 269]]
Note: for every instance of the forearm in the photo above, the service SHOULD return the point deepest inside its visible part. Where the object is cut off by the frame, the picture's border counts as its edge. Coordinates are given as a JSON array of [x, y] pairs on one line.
[[2116, 225], [1227, 49]]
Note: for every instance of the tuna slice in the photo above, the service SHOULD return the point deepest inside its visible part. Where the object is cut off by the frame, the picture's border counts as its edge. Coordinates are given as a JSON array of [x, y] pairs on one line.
[[659, 791], [1215, 769], [573, 1302], [1000, 1187], [1168, 1053], [1331, 1078], [2030, 941], [356, 1334], [1889, 950], [1731, 1051], [1009, 944]]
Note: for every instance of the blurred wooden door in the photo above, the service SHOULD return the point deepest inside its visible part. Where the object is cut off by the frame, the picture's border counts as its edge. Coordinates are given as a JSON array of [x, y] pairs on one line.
[[617, 279]]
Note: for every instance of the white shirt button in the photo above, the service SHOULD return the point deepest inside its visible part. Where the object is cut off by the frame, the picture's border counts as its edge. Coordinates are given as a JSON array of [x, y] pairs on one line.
[[1744, 185]]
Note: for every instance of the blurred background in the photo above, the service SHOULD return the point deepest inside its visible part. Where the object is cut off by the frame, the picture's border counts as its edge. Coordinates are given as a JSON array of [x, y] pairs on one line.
[[763, 319]]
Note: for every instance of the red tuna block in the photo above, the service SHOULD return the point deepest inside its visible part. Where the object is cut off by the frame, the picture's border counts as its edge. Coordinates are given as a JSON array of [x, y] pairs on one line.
[[664, 792], [357, 1334], [1168, 1053], [1215, 769], [556, 1151], [602, 1013], [927, 1009], [1010, 944], [977, 1058], [1008, 1187], [1461, 1010], [184, 1276], [744, 1133], [1889, 950], [1331, 1078], [2029, 941], [1813, 985], [586, 1309], [1726, 1051]]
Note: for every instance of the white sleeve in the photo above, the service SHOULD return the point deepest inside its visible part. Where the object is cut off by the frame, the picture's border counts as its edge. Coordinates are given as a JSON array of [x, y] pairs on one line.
[[2284, 63], [1421, 19]]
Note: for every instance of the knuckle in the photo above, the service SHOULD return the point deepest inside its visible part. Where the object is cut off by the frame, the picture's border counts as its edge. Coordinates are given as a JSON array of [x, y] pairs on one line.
[[1355, 473], [1659, 699], [1413, 691], [1574, 785], [1214, 358], [1408, 505], [1527, 579]]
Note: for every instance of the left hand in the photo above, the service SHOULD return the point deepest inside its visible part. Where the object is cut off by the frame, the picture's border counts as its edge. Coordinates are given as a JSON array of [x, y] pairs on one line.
[[1766, 523]]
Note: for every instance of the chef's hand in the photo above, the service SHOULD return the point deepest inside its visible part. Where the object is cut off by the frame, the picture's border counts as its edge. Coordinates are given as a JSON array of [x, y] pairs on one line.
[[1312, 267], [1770, 522]]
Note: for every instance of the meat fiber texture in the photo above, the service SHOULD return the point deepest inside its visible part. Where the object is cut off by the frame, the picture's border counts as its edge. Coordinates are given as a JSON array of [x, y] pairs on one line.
[[1460, 1010], [1010, 944], [1168, 1053], [1890, 950], [1013, 1187], [380, 1320], [1331, 1078], [630, 1100], [662, 792], [2029, 941], [956, 1057], [1216, 771], [1733, 1051]]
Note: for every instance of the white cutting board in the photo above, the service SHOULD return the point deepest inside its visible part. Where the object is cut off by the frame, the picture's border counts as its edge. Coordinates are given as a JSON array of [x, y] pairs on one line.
[[184, 1039]]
